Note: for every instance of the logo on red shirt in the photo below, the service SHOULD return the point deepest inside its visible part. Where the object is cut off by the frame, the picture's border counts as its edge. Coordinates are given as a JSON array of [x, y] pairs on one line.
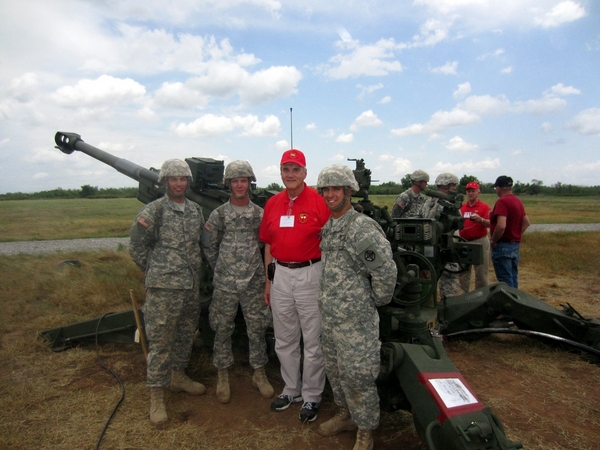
[[303, 217]]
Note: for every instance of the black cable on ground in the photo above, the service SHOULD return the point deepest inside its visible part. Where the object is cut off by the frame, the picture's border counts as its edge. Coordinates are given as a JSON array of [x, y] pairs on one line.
[[539, 334], [114, 375]]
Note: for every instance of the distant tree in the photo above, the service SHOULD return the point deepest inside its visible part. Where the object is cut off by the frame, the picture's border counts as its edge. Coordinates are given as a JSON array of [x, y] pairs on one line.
[[462, 184], [274, 187], [535, 187], [406, 182], [88, 191]]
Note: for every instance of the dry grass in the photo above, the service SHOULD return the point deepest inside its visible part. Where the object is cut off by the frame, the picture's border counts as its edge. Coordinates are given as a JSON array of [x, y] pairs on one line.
[[545, 397]]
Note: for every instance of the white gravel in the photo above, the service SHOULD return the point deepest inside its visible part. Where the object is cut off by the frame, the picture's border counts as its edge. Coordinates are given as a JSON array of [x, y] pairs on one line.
[[68, 245]]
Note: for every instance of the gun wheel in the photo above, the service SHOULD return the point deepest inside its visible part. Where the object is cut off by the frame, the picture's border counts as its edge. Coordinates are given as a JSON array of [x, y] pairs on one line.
[[405, 293]]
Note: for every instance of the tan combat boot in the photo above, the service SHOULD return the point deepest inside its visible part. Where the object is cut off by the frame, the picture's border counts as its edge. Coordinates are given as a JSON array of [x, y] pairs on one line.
[[180, 382], [342, 421], [364, 440], [259, 380], [158, 413], [223, 391]]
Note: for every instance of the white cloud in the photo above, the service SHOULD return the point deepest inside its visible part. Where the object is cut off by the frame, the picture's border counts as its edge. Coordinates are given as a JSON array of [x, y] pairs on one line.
[[567, 11], [508, 69], [345, 138], [365, 90], [366, 119], [402, 166], [282, 145], [447, 69], [24, 87], [310, 126], [562, 90], [211, 125], [544, 105], [486, 105], [440, 120], [432, 31], [385, 100], [462, 90], [467, 166], [364, 60], [103, 91], [495, 53], [179, 95], [459, 145], [546, 127], [269, 84], [587, 122]]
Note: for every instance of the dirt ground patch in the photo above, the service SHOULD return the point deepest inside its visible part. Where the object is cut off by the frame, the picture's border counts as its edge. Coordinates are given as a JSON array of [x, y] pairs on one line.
[[546, 397]]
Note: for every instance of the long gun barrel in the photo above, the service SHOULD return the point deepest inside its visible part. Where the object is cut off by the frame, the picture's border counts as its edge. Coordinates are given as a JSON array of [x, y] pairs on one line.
[[69, 142], [149, 188]]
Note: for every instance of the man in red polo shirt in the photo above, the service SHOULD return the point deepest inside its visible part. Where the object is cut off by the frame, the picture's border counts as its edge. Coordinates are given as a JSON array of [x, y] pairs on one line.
[[476, 214], [290, 229]]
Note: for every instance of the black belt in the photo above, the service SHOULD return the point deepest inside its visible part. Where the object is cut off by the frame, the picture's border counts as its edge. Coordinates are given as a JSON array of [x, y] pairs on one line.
[[295, 265]]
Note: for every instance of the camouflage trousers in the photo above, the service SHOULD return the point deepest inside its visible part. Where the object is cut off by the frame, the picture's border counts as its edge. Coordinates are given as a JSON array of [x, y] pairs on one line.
[[448, 283], [171, 319], [257, 315], [352, 363]]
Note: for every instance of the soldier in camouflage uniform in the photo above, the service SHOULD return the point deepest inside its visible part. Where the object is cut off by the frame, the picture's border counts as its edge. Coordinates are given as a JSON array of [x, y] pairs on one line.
[[448, 283], [359, 275], [233, 250], [408, 204], [165, 244]]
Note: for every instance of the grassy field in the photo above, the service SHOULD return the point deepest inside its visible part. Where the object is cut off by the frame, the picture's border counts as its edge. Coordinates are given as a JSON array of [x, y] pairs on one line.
[[22, 220], [546, 397]]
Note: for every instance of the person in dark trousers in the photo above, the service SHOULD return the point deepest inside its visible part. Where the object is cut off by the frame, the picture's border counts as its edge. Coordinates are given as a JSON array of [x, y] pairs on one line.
[[508, 222]]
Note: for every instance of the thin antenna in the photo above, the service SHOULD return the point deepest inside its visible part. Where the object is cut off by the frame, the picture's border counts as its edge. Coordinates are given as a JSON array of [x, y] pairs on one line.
[[291, 130]]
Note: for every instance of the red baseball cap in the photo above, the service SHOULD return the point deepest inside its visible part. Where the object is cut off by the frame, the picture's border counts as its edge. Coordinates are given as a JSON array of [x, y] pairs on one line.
[[293, 156], [472, 185]]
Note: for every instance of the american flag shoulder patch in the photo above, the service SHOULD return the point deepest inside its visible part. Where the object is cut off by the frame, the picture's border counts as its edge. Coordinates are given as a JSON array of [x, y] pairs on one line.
[[144, 222]]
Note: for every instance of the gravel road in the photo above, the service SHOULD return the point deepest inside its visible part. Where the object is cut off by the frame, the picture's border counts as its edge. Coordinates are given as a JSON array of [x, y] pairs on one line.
[[28, 247]]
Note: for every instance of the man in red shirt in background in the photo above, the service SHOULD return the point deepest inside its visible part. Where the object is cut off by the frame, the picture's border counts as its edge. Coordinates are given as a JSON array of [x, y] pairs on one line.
[[476, 214], [508, 222], [290, 229]]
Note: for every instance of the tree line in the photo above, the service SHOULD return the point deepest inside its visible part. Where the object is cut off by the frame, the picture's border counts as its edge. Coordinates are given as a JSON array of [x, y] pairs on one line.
[[536, 187]]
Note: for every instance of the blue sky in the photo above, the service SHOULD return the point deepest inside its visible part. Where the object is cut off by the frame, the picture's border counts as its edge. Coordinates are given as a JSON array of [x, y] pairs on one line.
[[475, 87]]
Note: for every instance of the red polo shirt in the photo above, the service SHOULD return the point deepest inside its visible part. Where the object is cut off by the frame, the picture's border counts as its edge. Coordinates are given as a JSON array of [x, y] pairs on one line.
[[474, 230], [511, 207], [300, 242]]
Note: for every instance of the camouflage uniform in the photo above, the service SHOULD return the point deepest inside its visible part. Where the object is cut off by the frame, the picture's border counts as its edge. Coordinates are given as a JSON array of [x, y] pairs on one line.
[[165, 244], [448, 282], [232, 248], [411, 202], [358, 275]]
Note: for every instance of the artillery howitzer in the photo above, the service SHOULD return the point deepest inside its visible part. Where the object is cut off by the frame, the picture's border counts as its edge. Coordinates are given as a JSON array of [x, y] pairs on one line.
[[416, 373]]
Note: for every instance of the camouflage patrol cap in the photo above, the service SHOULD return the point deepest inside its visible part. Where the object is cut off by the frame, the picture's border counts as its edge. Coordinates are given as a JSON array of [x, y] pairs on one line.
[[337, 175], [238, 169], [446, 178], [419, 175], [174, 168]]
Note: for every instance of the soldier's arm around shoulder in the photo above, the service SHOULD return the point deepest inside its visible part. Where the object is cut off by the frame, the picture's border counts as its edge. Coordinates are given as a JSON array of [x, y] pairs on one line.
[[143, 235], [211, 235], [375, 253]]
